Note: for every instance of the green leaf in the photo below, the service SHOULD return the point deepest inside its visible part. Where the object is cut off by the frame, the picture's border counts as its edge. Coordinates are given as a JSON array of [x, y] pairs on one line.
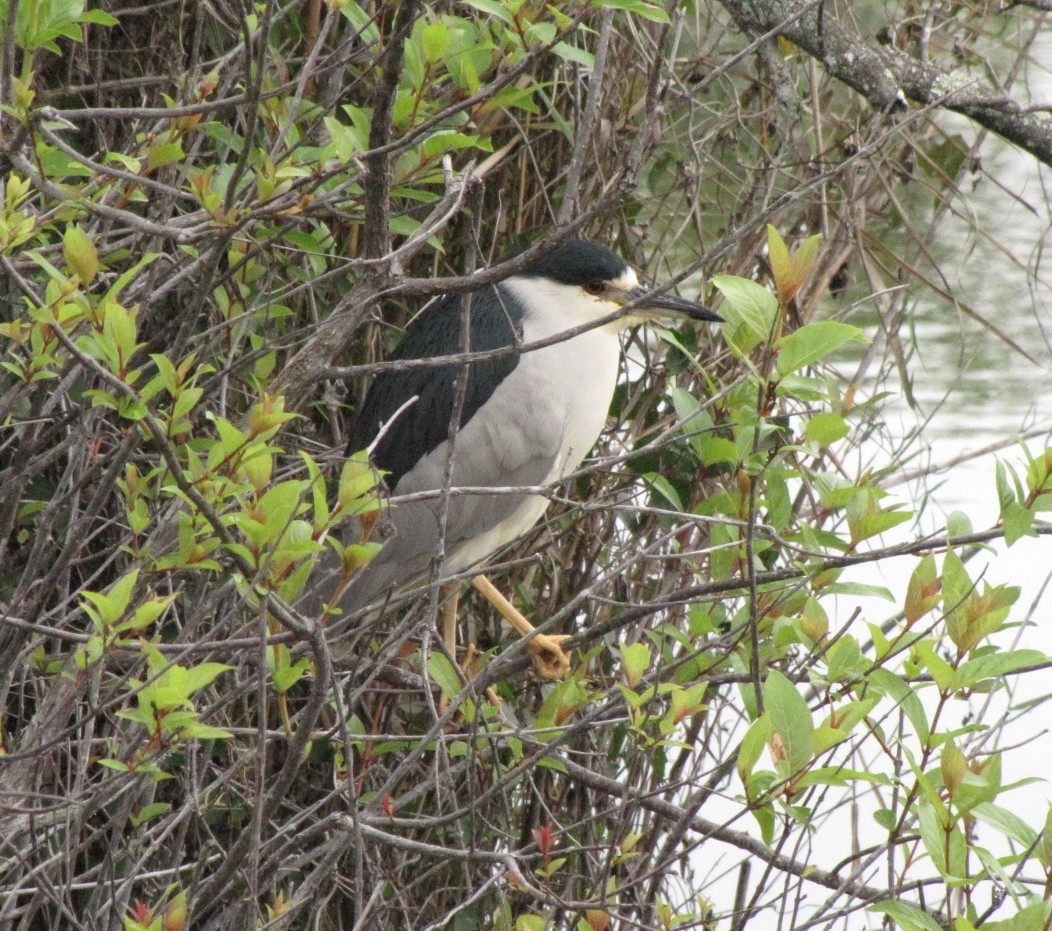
[[841, 776], [791, 724], [114, 603], [553, 867], [907, 917], [1044, 850], [356, 555], [713, 450], [149, 811], [975, 670], [80, 254], [779, 499], [778, 255], [445, 674], [723, 555], [163, 153], [119, 330], [197, 677], [513, 97], [922, 594], [123, 280], [905, 697], [199, 731], [638, 7], [571, 53], [448, 140], [288, 676], [166, 372], [635, 700], [826, 428], [750, 312], [1017, 521], [362, 20], [812, 342], [98, 18], [40, 22], [561, 703], [958, 524], [877, 522], [790, 271], [1005, 494], [665, 489], [941, 671], [805, 254], [885, 817], [147, 612], [694, 422], [861, 589], [1006, 822], [434, 39], [404, 225], [357, 479], [347, 141], [758, 788], [1034, 917], [845, 660], [492, 8], [971, 615], [952, 767], [752, 745], [466, 57], [942, 837], [635, 661]]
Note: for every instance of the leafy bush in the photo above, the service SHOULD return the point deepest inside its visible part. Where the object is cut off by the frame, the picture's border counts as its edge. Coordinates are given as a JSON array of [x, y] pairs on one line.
[[215, 217]]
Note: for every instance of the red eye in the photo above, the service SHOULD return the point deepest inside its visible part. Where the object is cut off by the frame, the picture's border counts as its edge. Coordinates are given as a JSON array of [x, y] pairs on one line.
[[595, 287]]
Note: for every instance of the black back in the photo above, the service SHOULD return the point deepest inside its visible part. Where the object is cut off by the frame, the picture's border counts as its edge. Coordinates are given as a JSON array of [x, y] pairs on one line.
[[496, 322]]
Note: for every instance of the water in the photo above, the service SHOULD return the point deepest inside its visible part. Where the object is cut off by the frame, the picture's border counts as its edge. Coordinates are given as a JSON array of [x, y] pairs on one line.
[[991, 253], [974, 397]]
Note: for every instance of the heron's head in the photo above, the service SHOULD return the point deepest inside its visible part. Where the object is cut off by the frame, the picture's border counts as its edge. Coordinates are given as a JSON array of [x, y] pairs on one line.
[[583, 281]]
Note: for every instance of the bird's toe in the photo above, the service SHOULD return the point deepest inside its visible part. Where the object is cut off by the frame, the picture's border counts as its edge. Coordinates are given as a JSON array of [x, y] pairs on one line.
[[550, 660]]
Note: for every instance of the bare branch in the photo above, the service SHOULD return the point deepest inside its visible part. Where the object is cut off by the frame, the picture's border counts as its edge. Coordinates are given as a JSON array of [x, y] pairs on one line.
[[886, 77]]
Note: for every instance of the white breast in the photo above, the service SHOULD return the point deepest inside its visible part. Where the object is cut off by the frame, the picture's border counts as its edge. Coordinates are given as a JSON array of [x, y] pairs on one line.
[[551, 410], [573, 379]]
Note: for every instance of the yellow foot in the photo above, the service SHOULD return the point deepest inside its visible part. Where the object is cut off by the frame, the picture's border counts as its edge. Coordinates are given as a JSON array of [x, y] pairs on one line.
[[550, 660]]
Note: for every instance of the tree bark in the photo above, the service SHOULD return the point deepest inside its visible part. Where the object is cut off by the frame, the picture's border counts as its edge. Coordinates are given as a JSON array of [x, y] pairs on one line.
[[887, 77]]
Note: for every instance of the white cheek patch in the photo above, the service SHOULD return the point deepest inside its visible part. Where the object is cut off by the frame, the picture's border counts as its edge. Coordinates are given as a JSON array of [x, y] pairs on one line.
[[627, 280], [555, 307]]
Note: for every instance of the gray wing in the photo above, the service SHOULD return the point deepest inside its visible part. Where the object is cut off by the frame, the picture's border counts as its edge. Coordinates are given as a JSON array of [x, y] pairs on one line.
[[516, 442]]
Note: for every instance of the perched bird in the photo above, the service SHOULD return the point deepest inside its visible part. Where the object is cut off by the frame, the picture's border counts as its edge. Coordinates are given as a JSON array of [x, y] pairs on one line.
[[526, 418]]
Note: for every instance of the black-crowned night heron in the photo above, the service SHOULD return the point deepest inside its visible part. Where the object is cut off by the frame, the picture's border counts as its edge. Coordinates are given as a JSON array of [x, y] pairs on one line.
[[525, 418]]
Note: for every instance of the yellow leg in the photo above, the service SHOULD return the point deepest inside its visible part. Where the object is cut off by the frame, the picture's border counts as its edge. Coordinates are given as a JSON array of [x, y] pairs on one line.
[[450, 598], [450, 595], [469, 661], [549, 659]]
